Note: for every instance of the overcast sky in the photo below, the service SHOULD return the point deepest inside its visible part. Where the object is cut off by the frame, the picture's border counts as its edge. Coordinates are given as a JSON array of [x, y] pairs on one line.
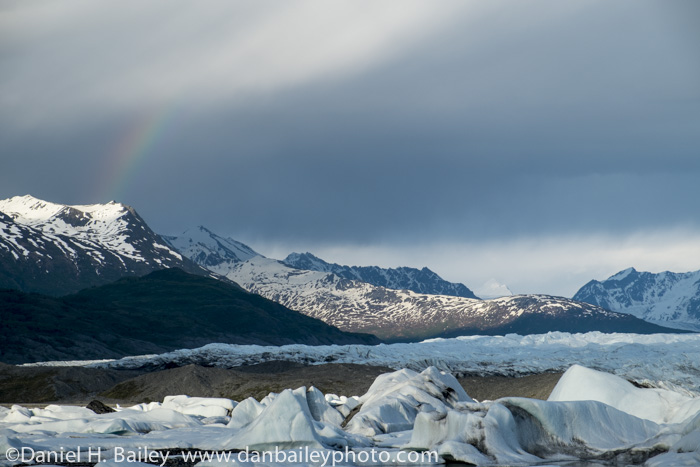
[[540, 143]]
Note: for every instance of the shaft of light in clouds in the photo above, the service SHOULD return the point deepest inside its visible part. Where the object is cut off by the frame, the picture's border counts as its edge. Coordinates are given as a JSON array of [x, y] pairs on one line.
[[83, 57]]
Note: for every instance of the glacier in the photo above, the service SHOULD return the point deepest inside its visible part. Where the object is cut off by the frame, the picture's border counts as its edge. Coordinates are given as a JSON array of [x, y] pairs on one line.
[[645, 359]]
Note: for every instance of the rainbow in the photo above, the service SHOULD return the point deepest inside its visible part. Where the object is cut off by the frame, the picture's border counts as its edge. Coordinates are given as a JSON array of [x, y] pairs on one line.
[[133, 147]]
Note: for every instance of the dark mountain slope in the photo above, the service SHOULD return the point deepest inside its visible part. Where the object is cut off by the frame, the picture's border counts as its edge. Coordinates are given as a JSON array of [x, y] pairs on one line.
[[165, 310]]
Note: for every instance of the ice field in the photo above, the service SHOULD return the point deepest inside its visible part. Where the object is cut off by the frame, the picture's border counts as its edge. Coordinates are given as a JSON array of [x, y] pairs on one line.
[[590, 415], [594, 413]]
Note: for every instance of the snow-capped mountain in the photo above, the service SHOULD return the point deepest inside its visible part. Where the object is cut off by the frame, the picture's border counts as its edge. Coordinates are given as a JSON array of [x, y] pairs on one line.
[[666, 298], [58, 249], [209, 250], [403, 278], [356, 306], [493, 289]]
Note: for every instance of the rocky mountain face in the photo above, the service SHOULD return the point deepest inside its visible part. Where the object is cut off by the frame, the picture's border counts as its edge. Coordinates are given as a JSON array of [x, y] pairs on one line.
[[392, 314], [666, 298], [165, 310], [404, 278], [58, 249]]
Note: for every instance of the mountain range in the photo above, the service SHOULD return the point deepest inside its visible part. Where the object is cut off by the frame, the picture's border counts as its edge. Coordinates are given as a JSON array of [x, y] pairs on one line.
[[666, 298], [58, 249], [404, 315], [396, 314]]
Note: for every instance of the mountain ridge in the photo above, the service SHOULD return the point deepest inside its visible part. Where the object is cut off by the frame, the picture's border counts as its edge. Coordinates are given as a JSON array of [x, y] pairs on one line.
[[400, 314], [208, 249], [665, 298], [405, 315], [402, 278]]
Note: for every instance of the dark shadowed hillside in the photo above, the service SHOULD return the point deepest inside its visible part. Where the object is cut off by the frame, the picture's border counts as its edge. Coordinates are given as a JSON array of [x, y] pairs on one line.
[[165, 310]]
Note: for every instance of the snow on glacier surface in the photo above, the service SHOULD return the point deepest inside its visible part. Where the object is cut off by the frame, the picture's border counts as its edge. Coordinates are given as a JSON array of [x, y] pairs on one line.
[[432, 413]]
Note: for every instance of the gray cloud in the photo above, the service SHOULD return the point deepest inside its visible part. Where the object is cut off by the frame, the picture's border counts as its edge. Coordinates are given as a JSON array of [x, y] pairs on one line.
[[459, 122]]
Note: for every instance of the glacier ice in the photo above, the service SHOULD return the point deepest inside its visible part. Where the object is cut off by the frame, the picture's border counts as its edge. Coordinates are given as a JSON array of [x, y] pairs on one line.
[[643, 358], [659, 405], [591, 415]]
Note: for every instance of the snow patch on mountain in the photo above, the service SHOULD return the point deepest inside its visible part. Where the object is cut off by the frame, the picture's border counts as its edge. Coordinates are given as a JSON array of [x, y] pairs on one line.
[[622, 275]]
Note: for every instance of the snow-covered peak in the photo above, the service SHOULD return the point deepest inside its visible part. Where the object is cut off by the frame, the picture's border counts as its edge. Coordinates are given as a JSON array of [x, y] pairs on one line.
[[666, 298], [87, 244], [207, 249], [29, 210], [493, 289], [270, 271], [622, 275], [114, 226]]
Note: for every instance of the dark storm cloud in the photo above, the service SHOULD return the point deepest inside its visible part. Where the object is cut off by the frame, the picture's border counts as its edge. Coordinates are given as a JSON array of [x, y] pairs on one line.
[[544, 117]]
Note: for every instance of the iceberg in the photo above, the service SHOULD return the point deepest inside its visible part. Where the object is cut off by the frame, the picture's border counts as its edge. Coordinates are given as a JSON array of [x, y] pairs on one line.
[[394, 400], [591, 415], [579, 383]]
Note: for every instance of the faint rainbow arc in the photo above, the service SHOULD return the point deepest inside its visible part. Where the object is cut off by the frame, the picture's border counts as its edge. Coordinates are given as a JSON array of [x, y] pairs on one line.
[[133, 148]]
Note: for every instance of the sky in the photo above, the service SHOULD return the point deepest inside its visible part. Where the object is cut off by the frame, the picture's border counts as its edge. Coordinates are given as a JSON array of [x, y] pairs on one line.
[[542, 143]]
